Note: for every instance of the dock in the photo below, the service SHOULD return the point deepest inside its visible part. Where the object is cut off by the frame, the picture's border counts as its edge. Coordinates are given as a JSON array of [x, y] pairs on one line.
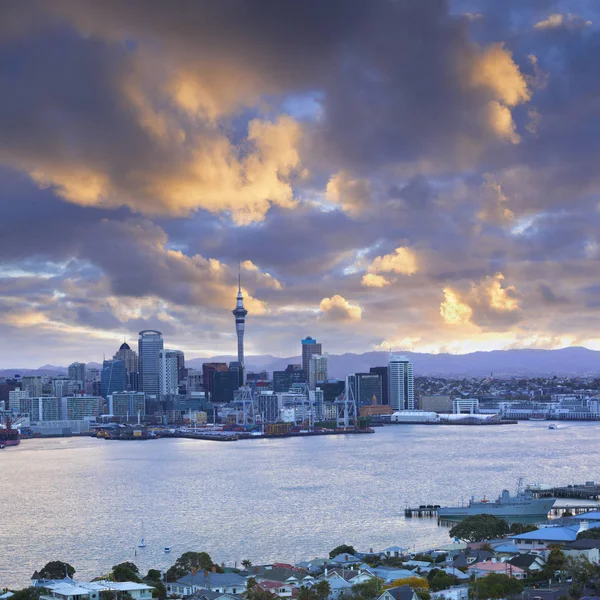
[[581, 492], [424, 510]]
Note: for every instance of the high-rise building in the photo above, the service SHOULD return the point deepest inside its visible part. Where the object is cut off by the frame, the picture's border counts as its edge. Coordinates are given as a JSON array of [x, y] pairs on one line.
[[34, 384], [15, 397], [113, 377], [365, 387], [130, 358], [224, 385], [181, 370], [127, 404], [268, 406], [76, 372], [401, 383], [64, 387], [383, 373], [168, 373], [194, 381], [150, 343], [239, 312], [309, 347], [207, 376], [317, 369], [45, 408], [283, 381]]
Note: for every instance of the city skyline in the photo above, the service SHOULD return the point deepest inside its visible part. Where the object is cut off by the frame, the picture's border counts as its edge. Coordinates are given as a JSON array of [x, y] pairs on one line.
[[420, 175]]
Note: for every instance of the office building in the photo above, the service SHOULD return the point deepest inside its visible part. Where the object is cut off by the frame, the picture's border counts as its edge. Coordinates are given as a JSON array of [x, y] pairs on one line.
[[224, 385], [194, 381], [309, 347], [401, 383], [332, 390], [44, 408], [34, 384], [150, 343], [14, 399], [130, 358], [366, 388], [76, 372], [317, 370], [113, 377], [207, 378], [78, 408], [127, 404], [383, 374], [5, 388], [283, 381], [239, 312], [181, 370], [65, 387], [168, 373]]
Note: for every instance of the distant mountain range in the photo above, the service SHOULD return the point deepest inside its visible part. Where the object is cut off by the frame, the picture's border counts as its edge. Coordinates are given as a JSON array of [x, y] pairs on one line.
[[500, 363]]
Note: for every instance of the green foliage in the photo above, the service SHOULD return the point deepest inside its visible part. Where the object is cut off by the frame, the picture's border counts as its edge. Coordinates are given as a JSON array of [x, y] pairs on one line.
[[519, 528], [343, 549], [496, 585], [187, 562], [555, 562], [30, 593], [480, 527], [441, 581], [246, 563], [440, 558], [321, 590], [125, 571], [368, 590], [153, 575], [256, 593], [589, 534], [423, 557], [57, 569]]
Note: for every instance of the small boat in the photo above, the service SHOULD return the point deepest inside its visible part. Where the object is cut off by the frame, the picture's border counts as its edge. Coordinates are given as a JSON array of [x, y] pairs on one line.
[[553, 426], [167, 549], [142, 543]]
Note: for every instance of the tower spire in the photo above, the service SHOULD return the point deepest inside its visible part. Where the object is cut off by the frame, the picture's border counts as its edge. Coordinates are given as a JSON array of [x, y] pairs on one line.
[[239, 277], [240, 312]]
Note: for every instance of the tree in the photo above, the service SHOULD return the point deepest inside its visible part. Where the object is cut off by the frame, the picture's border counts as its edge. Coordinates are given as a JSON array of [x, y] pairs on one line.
[[246, 563], [589, 534], [442, 581], [154, 578], [187, 562], [519, 528], [555, 562], [30, 593], [56, 569], [125, 571], [343, 549], [496, 585], [322, 589], [368, 590], [480, 527], [417, 583], [305, 593]]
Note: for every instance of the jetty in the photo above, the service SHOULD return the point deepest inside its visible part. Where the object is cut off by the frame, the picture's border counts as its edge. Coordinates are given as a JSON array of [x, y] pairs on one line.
[[586, 491]]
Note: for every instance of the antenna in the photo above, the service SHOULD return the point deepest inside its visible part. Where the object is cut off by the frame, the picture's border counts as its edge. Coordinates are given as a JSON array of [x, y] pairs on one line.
[[239, 277]]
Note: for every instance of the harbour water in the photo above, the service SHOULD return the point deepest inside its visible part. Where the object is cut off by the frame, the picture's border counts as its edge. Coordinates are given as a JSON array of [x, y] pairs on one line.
[[84, 500]]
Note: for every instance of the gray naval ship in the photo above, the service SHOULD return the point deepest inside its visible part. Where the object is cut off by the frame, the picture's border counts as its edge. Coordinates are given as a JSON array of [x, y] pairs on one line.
[[522, 504]]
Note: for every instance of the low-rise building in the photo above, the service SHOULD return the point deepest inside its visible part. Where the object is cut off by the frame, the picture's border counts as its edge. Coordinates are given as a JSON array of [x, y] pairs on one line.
[[456, 592], [403, 592], [225, 583]]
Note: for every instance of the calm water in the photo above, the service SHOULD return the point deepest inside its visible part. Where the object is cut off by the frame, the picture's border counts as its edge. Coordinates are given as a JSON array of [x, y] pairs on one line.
[[84, 500]]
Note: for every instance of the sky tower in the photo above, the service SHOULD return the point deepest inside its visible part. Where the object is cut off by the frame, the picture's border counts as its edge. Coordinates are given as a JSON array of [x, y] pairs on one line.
[[240, 321]]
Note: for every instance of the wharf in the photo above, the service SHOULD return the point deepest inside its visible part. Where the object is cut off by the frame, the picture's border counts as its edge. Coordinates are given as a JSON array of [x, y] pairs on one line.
[[583, 492], [424, 510], [431, 510]]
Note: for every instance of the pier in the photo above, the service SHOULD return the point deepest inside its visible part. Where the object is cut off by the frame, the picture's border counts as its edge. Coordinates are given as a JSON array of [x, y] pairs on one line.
[[589, 491], [424, 510]]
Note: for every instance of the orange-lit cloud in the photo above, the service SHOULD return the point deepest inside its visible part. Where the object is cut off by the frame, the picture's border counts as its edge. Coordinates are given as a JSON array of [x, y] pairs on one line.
[[337, 308]]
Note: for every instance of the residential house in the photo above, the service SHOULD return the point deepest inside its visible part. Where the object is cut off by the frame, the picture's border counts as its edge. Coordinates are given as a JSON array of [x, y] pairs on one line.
[[225, 583], [528, 562], [345, 560], [543, 537], [481, 569], [589, 549], [394, 552], [341, 580], [210, 595], [68, 589], [281, 574], [470, 557], [456, 592], [403, 592], [389, 574], [283, 590]]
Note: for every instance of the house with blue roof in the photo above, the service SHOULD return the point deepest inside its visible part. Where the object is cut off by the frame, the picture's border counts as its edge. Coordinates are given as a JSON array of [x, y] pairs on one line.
[[543, 537], [226, 583]]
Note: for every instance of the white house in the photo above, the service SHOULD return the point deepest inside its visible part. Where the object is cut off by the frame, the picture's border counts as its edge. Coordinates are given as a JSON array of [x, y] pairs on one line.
[[72, 590], [456, 592]]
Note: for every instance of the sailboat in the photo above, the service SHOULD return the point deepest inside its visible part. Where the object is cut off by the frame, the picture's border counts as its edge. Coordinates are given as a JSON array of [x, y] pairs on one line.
[[142, 543]]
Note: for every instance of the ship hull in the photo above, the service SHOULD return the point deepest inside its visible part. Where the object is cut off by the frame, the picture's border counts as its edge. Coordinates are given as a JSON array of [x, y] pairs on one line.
[[535, 508], [10, 442]]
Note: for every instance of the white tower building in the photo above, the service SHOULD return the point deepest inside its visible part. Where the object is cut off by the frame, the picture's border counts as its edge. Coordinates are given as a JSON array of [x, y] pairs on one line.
[[401, 383]]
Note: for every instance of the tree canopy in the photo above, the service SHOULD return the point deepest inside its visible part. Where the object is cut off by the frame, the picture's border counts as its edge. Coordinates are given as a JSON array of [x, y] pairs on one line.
[[496, 585], [56, 569], [125, 571], [589, 534], [480, 527], [343, 549], [189, 561], [30, 593], [368, 590], [519, 528]]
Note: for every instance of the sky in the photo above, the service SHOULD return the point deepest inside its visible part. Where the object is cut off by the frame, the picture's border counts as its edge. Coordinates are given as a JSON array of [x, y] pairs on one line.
[[410, 174]]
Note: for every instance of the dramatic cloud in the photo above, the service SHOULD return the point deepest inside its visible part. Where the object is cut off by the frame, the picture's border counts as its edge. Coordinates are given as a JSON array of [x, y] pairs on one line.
[[416, 174]]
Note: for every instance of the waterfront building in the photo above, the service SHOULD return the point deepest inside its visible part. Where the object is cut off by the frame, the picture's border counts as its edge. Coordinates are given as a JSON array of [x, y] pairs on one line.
[[332, 389], [285, 380], [309, 347], [268, 406], [366, 387], [401, 383], [438, 403], [76, 372], [44, 408], [239, 312], [168, 372], [64, 387], [130, 358], [113, 377], [78, 408], [14, 399], [150, 343], [207, 376], [124, 404], [465, 405], [317, 369], [383, 373]]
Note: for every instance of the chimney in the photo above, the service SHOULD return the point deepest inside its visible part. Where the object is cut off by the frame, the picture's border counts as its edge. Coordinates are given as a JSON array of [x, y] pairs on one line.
[[193, 571], [325, 571], [214, 568]]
